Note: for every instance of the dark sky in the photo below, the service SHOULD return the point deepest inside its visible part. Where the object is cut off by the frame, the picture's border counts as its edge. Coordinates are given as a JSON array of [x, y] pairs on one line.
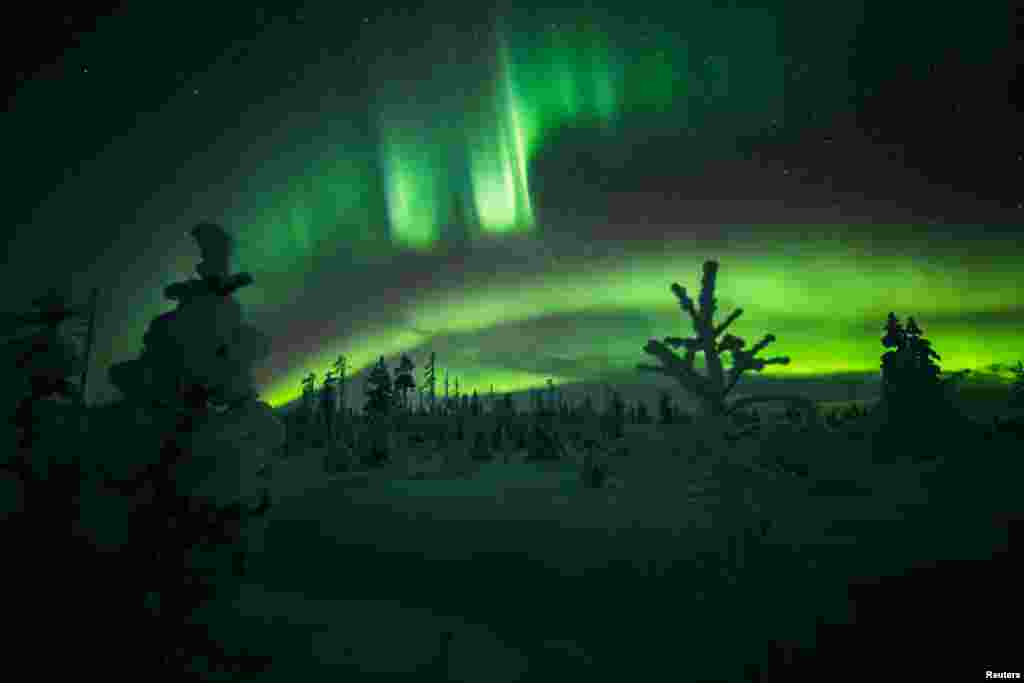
[[840, 160]]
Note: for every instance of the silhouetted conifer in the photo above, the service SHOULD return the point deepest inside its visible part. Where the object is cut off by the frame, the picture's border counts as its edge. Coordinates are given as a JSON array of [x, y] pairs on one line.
[[909, 371], [327, 405], [341, 372], [536, 403], [911, 383], [430, 381], [474, 405], [379, 392], [405, 380], [550, 400], [447, 406]]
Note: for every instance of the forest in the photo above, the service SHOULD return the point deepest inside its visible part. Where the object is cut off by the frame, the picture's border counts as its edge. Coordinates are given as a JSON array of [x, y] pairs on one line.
[[726, 540]]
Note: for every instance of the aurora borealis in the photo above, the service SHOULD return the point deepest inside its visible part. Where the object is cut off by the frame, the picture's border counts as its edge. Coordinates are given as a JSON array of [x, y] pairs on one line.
[[515, 189]]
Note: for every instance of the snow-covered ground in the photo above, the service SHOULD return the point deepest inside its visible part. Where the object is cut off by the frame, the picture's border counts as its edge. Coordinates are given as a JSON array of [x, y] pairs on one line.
[[692, 559]]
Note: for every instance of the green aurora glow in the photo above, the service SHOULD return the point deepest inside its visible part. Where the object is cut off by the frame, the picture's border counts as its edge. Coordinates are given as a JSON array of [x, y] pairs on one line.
[[826, 306], [471, 128], [433, 190]]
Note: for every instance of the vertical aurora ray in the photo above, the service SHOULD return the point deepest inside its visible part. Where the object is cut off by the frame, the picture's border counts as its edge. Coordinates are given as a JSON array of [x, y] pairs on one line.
[[495, 120], [539, 85], [518, 134], [560, 75], [462, 125], [414, 189], [497, 158]]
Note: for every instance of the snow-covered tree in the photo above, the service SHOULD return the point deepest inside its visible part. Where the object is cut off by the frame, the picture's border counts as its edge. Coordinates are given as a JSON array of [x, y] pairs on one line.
[[712, 388]]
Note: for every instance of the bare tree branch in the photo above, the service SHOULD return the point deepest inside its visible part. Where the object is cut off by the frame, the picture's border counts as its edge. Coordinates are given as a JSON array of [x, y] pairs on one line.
[[728, 321]]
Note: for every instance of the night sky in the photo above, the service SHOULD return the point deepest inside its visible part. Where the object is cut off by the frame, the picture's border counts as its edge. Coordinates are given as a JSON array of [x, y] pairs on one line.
[[516, 187]]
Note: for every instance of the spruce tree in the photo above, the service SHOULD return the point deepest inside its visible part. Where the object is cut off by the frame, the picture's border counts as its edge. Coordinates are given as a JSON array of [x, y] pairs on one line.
[[327, 405], [474, 405], [915, 399], [404, 380], [340, 370], [430, 381], [447, 401], [379, 391], [910, 375], [307, 407]]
